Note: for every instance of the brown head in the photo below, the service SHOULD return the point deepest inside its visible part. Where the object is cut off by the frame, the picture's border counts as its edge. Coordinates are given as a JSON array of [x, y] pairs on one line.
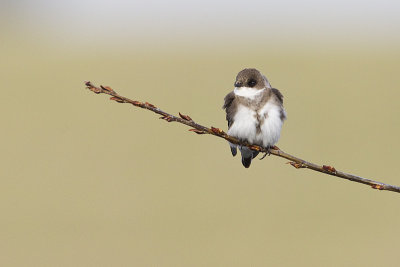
[[251, 78]]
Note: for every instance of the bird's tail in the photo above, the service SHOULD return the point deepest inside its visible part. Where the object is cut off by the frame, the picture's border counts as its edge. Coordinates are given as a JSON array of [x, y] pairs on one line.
[[247, 156]]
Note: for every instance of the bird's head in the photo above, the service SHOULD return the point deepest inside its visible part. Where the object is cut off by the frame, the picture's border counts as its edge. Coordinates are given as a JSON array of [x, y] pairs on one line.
[[251, 78]]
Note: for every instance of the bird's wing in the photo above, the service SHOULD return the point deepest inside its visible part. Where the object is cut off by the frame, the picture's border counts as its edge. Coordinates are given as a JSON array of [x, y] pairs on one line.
[[229, 106], [279, 98], [278, 95]]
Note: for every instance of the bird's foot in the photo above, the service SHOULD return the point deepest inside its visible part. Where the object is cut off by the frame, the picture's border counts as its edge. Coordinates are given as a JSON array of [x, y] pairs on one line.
[[267, 153]]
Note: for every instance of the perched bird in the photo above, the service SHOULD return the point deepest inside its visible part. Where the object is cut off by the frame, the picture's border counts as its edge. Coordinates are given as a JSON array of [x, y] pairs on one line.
[[255, 113]]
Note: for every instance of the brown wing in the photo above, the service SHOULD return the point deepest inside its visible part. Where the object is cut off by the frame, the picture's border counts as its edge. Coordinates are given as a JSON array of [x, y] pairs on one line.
[[278, 95], [230, 107]]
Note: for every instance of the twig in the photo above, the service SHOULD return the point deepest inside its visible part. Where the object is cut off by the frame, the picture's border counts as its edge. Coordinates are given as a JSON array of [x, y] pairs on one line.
[[200, 129]]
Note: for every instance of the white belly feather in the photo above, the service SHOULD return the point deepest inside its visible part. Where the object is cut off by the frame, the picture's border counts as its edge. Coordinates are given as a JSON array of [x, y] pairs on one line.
[[245, 124], [271, 128]]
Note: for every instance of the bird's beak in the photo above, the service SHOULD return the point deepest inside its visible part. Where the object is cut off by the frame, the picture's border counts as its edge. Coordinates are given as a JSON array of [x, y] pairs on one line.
[[238, 84]]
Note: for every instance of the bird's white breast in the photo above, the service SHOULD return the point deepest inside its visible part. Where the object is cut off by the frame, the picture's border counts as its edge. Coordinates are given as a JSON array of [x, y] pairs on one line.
[[271, 128], [245, 124]]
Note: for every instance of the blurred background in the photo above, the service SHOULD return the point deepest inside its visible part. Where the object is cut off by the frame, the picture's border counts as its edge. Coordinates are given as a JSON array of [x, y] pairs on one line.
[[89, 182]]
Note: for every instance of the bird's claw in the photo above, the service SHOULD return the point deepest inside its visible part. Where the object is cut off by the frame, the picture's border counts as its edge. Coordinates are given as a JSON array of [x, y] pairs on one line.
[[267, 153]]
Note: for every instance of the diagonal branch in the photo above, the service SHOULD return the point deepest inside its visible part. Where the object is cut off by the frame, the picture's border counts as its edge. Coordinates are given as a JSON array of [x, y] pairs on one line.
[[200, 129]]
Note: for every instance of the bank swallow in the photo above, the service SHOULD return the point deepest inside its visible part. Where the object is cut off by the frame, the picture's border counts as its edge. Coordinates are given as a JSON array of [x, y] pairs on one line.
[[255, 113]]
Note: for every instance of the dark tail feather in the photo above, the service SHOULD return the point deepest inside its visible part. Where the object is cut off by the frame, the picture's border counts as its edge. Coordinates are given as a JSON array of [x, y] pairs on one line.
[[246, 162], [247, 156], [233, 150]]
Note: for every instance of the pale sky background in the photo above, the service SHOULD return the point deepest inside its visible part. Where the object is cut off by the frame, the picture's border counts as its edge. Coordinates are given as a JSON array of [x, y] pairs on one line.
[[143, 22]]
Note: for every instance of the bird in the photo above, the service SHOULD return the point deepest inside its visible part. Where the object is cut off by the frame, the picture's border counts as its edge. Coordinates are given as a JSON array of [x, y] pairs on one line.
[[255, 113]]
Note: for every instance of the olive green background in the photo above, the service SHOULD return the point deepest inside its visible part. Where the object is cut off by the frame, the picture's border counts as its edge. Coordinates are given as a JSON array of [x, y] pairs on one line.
[[89, 182]]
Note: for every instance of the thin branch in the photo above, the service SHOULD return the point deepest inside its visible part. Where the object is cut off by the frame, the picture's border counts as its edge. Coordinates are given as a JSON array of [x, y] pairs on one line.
[[200, 129]]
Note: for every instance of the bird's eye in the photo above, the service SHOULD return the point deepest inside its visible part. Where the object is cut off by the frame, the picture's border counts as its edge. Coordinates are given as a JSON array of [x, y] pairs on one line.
[[251, 83]]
